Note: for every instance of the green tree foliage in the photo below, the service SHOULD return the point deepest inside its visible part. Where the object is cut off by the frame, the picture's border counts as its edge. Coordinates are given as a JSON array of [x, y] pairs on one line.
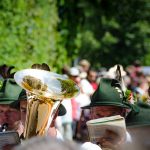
[[28, 34], [56, 32], [106, 32]]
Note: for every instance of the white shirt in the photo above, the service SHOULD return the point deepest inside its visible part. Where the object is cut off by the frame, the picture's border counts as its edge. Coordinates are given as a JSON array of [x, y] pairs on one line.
[[86, 87], [90, 146]]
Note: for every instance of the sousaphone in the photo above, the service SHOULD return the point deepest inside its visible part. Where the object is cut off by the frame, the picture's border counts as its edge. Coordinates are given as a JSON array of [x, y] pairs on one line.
[[45, 91]]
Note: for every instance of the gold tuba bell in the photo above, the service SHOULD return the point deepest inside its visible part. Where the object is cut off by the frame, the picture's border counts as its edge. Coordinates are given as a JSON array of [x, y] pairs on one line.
[[45, 92]]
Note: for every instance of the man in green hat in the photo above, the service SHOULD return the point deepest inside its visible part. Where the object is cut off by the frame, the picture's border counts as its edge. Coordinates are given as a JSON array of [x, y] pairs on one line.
[[138, 126], [9, 92], [7, 98], [109, 100]]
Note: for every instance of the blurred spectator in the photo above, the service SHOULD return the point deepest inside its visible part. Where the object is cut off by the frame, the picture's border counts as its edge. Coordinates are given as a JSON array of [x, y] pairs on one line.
[[102, 72], [137, 65], [65, 70], [84, 67], [138, 126], [64, 123], [81, 100], [92, 78], [74, 75], [47, 143]]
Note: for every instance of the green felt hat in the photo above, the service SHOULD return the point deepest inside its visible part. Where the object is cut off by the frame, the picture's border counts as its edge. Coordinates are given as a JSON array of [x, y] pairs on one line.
[[23, 96], [108, 93], [140, 119], [9, 91], [62, 110]]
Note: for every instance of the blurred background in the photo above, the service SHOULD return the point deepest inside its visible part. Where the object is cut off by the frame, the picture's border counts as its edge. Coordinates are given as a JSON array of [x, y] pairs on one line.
[[83, 40], [62, 32]]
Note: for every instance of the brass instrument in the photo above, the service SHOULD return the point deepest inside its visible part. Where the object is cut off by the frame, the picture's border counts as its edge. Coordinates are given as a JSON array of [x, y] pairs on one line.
[[45, 91], [4, 127]]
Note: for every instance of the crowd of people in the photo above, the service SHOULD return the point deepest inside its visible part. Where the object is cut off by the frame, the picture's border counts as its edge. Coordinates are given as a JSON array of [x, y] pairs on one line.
[[103, 93]]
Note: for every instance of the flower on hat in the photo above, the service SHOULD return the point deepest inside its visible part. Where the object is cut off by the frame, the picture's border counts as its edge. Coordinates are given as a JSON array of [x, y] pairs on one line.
[[130, 97]]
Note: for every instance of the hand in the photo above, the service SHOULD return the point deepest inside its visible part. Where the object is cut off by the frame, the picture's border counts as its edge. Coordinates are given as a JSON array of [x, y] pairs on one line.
[[110, 140], [18, 127]]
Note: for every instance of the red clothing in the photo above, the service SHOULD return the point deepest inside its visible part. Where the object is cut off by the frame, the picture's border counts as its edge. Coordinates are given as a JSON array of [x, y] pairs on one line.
[[74, 109], [94, 85]]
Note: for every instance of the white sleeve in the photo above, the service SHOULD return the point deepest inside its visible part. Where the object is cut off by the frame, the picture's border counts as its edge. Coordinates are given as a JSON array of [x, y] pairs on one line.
[[90, 146], [86, 87]]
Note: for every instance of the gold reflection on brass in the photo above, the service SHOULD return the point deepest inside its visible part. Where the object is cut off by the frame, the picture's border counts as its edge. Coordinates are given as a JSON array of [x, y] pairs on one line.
[[30, 83], [38, 113]]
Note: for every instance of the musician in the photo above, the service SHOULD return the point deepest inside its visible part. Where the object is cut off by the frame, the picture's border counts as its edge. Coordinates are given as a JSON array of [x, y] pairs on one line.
[[22, 104], [9, 92], [108, 100], [138, 126]]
